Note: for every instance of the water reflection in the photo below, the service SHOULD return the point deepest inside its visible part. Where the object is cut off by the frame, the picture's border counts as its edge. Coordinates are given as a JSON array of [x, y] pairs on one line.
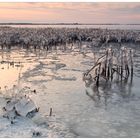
[[12, 64], [17, 60], [110, 92]]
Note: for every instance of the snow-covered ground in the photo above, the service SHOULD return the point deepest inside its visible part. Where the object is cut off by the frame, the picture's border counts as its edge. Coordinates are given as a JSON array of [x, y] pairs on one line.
[[57, 79]]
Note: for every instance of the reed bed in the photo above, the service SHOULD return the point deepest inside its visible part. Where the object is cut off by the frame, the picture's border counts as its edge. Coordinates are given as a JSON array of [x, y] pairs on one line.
[[51, 38], [113, 65]]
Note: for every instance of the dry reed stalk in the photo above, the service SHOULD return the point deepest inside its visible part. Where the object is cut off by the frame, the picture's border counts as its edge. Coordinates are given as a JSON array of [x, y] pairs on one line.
[[98, 76], [96, 64], [131, 61], [121, 64], [106, 62], [107, 68]]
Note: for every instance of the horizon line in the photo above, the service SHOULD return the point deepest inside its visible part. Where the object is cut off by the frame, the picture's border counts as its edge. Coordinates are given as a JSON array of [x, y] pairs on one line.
[[63, 23]]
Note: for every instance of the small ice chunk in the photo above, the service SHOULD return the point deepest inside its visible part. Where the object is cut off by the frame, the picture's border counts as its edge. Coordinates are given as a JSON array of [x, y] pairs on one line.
[[60, 65], [24, 106], [65, 78]]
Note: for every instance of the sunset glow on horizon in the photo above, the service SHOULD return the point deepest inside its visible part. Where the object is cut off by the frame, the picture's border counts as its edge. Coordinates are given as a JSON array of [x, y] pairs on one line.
[[70, 12]]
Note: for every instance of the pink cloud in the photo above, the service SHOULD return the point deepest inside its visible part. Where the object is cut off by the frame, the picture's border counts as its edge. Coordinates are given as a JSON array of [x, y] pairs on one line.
[[70, 12]]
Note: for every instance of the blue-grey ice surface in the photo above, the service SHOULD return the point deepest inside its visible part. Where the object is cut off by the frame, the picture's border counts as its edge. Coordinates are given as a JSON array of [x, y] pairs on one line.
[[57, 78]]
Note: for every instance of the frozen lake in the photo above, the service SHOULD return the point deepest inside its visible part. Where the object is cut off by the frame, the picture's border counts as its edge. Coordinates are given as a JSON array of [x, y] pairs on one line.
[[119, 26], [57, 78]]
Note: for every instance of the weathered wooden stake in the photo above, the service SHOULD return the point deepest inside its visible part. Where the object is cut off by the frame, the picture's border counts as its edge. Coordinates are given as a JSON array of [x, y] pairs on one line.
[[50, 112]]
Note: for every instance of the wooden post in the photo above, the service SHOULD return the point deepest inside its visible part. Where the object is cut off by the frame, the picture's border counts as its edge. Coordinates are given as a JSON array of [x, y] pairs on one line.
[[50, 112]]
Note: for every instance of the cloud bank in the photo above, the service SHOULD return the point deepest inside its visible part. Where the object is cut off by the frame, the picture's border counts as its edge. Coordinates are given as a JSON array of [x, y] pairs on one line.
[[70, 12]]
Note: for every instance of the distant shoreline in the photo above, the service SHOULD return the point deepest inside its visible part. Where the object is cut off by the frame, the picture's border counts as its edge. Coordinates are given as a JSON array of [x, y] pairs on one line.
[[65, 24]]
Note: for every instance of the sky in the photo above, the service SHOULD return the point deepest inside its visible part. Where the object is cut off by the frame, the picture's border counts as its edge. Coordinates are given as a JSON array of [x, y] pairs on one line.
[[70, 12]]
